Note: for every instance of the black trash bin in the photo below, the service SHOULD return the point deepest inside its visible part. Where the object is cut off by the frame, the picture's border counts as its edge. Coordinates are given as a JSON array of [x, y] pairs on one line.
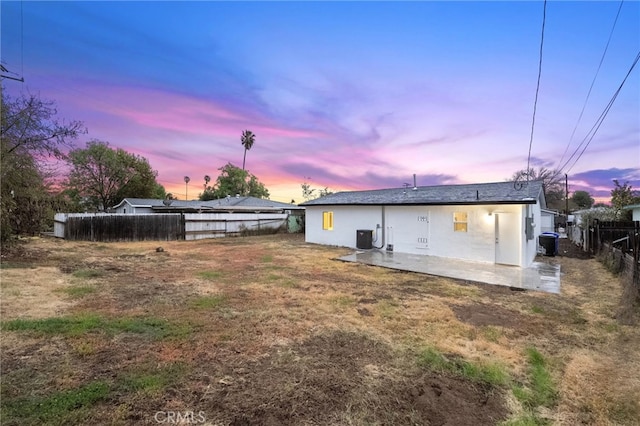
[[549, 241], [364, 239]]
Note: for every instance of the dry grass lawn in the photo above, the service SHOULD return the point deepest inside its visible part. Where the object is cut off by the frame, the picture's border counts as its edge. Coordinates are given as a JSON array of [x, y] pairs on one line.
[[271, 330]]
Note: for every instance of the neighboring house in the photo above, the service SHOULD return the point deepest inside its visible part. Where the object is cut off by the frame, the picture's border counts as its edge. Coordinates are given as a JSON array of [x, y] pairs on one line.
[[229, 205], [548, 220], [635, 211], [490, 222], [294, 215]]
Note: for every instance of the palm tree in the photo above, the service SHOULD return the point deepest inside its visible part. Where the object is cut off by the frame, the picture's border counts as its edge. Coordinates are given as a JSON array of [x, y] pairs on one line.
[[207, 179], [186, 187], [247, 140]]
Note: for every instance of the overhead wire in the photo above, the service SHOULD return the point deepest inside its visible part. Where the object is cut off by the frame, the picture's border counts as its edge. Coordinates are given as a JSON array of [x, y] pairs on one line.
[[22, 41], [599, 121], [584, 105], [4, 72], [535, 102]]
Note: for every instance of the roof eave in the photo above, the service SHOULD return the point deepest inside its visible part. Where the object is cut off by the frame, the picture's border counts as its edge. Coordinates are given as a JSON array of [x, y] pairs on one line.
[[435, 203]]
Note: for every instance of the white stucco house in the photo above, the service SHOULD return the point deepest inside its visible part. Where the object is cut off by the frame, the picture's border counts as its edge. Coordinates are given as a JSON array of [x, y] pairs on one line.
[[489, 222], [548, 220], [635, 211]]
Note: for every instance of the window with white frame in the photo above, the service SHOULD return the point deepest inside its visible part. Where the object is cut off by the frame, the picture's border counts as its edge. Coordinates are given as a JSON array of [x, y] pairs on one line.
[[460, 222]]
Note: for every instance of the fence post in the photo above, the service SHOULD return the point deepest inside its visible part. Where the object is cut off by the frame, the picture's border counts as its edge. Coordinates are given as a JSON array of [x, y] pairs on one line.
[[635, 236], [594, 237]]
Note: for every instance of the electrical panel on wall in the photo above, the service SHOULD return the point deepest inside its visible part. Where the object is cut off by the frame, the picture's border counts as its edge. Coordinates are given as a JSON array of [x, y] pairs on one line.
[[422, 231]]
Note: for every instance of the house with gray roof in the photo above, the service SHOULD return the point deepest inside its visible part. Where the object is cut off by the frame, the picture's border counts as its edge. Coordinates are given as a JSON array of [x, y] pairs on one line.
[[488, 222], [222, 216], [228, 205]]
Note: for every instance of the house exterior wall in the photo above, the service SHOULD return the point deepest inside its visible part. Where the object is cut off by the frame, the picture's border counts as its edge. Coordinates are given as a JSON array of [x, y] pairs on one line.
[[429, 230], [547, 222], [127, 208], [346, 221], [635, 214], [530, 247]]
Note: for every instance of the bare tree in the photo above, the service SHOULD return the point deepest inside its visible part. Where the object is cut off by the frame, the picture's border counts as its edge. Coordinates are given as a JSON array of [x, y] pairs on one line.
[[551, 180]]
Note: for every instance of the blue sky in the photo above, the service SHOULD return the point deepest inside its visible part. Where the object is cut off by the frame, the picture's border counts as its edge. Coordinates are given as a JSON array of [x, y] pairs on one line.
[[345, 95]]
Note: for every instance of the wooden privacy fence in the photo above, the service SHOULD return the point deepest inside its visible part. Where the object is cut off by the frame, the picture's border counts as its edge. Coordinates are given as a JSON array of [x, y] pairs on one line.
[[112, 227], [623, 235], [158, 226], [622, 240]]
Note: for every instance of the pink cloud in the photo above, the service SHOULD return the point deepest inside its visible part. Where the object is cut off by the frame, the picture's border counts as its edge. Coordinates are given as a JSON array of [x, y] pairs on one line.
[[175, 112]]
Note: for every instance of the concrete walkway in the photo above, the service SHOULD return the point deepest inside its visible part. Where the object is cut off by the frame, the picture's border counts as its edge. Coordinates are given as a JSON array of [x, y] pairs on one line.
[[540, 276]]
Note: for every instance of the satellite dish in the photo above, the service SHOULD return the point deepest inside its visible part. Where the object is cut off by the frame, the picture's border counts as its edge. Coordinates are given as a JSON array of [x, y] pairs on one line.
[[167, 202]]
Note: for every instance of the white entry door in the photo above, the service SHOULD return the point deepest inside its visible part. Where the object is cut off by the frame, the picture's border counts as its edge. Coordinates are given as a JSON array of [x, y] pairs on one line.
[[507, 239]]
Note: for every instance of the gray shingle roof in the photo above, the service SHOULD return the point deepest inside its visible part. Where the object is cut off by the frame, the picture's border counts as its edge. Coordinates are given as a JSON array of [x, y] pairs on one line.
[[479, 193], [249, 202], [246, 202]]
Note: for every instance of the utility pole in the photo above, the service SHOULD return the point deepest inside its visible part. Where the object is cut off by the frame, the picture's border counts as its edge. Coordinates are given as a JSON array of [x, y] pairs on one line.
[[566, 197]]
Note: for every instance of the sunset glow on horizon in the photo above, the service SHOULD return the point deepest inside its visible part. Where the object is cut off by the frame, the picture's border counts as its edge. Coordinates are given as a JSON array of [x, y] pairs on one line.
[[344, 95]]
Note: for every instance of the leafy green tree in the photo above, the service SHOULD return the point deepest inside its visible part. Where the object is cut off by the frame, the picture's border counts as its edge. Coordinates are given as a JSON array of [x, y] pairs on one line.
[[208, 194], [256, 188], [247, 140], [25, 197], [582, 199], [143, 183], [103, 176], [621, 196], [308, 193], [324, 192], [31, 136], [234, 181], [552, 181], [606, 213]]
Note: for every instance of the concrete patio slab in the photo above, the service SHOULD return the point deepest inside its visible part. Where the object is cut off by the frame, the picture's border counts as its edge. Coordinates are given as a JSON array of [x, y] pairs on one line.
[[540, 276]]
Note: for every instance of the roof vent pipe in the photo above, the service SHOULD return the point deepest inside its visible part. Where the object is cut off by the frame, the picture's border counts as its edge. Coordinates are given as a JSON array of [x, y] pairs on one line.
[[415, 187], [477, 195]]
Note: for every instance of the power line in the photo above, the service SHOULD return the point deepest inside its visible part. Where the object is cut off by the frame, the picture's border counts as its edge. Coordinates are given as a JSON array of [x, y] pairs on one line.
[[22, 41], [592, 84], [535, 102], [600, 119], [4, 72]]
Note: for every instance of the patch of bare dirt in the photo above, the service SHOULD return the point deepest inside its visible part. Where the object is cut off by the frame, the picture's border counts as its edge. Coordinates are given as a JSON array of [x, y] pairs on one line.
[[566, 248], [484, 315], [345, 378]]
